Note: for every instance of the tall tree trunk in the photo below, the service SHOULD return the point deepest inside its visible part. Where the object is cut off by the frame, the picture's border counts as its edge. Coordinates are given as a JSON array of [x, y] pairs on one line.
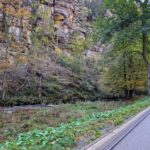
[[130, 94], [4, 86], [147, 64], [130, 65], [125, 76], [148, 78]]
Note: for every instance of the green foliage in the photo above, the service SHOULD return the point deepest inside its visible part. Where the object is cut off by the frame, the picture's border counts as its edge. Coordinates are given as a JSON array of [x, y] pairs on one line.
[[74, 63], [64, 136], [122, 73], [127, 21], [79, 44], [74, 79], [118, 120], [23, 119], [122, 26], [24, 100]]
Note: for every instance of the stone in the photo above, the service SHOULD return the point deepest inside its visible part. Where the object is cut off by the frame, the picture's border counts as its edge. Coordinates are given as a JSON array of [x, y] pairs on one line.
[[16, 31]]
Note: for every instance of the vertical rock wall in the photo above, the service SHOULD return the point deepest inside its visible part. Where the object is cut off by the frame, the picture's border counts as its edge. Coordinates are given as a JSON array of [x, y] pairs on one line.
[[18, 18], [15, 29], [68, 20]]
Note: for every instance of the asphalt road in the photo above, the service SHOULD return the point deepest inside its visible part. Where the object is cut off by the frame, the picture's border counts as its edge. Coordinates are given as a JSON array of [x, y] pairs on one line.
[[138, 139]]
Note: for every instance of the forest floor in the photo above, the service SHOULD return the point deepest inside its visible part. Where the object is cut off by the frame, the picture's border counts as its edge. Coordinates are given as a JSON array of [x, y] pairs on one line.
[[100, 117]]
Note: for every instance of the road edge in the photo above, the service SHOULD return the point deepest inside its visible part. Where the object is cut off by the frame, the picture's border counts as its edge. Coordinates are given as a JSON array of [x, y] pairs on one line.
[[108, 141]]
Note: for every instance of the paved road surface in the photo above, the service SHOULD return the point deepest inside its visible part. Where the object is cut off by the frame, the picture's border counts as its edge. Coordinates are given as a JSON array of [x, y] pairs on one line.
[[138, 139]]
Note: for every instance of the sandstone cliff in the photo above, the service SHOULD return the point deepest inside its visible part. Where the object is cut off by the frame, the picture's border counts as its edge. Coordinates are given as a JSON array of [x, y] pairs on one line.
[[18, 20], [31, 33]]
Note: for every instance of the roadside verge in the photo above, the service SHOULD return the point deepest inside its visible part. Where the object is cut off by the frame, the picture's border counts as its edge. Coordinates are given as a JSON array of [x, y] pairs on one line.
[[110, 140]]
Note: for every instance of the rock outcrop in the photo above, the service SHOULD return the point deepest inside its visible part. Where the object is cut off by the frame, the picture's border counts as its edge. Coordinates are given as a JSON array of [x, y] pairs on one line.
[[18, 20], [68, 20]]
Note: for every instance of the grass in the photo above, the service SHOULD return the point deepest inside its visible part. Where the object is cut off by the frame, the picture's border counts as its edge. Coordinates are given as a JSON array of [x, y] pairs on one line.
[[85, 120], [24, 120]]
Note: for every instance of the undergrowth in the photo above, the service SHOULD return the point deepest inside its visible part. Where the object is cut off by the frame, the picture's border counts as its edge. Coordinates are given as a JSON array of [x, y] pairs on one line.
[[66, 135]]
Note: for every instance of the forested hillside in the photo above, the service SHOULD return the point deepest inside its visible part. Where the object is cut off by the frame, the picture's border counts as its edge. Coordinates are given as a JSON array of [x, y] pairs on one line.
[[43, 51], [71, 70], [68, 51]]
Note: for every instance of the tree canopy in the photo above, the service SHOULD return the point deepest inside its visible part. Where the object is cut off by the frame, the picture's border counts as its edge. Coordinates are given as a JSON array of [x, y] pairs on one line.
[[126, 28]]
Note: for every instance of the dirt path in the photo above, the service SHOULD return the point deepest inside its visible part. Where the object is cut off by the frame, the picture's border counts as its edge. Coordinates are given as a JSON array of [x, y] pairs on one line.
[[14, 108]]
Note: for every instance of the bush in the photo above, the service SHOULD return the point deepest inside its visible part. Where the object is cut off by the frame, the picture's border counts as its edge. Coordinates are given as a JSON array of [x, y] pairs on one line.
[[15, 101]]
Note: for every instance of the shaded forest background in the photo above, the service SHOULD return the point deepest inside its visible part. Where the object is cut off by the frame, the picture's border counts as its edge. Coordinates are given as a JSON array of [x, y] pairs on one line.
[[60, 51]]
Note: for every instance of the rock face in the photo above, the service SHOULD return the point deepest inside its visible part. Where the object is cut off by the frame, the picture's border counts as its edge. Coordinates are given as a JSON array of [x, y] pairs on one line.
[[15, 29], [68, 20], [19, 18]]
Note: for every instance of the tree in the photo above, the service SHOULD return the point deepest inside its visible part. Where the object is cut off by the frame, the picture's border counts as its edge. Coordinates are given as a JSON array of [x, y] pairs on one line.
[[122, 74], [93, 7], [126, 26]]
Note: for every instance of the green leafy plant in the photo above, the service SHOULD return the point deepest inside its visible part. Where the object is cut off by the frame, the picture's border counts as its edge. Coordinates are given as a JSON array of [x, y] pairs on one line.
[[65, 136]]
